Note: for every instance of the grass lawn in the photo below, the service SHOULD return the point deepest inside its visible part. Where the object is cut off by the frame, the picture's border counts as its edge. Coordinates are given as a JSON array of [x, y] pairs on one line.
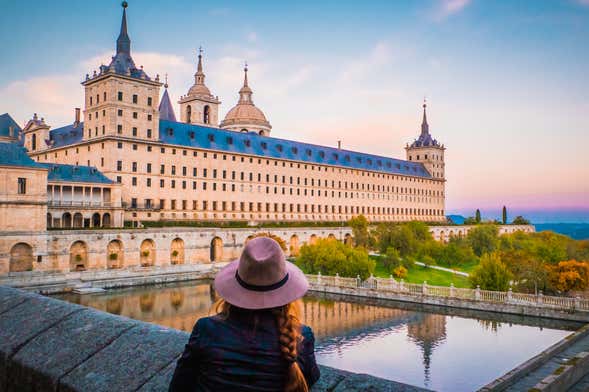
[[468, 268], [417, 274]]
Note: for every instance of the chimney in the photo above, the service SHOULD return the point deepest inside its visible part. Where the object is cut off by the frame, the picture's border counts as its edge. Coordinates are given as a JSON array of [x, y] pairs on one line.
[[77, 117], [339, 144]]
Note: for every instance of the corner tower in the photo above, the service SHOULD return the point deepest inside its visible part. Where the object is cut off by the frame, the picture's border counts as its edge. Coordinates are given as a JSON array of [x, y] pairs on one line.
[[121, 99], [427, 150], [245, 116], [199, 106]]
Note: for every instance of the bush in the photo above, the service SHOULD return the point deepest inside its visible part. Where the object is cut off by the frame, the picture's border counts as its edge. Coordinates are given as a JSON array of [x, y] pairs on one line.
[[359, 225], [145, 253], [330, 257], [174, 253], [78, 258], [570, 275], [491, 274], [483, 239], [400, 272], [113, 256], [520, 220]]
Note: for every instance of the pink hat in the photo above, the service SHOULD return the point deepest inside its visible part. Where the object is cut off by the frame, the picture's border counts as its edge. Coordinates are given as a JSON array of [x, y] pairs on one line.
[[261, 278]]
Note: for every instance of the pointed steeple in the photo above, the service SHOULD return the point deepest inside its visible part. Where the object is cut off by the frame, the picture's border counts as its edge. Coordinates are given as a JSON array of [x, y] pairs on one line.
[[166, 109], [245, 93], [424, 124], [124, 42], [199, 76]]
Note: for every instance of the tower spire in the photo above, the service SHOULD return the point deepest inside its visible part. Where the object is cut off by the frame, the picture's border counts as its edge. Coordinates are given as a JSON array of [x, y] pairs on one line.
[[424, 124], [124, 42], [199, 68], [245, 75], [245, 93]]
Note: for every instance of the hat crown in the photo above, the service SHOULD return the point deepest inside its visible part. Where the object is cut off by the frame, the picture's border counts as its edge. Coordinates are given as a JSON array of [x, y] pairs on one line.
[[262, 262]]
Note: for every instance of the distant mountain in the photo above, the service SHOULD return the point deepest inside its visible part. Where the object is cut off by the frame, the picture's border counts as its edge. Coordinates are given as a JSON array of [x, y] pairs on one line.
[[458, 219], [578, 231]]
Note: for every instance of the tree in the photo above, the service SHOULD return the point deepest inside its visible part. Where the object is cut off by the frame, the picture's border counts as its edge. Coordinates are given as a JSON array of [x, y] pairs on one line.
[[504, 220], [470, 221], [330, 257], [520, 220], [359, 225], [491, 274], [570, 275], [483, 239], [478, 216]]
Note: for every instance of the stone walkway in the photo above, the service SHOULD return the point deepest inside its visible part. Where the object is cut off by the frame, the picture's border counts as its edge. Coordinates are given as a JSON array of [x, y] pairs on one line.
[[528, 382]]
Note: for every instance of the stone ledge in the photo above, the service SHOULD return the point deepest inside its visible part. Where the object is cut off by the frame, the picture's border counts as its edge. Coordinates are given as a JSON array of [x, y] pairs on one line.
[[50, 345], [565, 376]]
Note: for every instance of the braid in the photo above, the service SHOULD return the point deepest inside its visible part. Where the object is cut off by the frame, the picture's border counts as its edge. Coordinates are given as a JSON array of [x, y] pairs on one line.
[[289, 328]]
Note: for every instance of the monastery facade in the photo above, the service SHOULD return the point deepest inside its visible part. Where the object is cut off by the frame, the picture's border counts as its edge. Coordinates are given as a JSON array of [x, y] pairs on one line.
[[131, 159]]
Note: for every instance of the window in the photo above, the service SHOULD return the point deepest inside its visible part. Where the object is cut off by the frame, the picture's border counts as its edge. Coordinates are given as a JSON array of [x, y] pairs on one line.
[[119, 179], [149, 182], [134, 131], [134, 98], [134, 114], [134, 167], [119, 165], [22, 186], [173, 170], [149, 117], [149, 101], [161, 183], [120, 96], [149, 167], [34, 142], [173, 183], [119, 129], [134, 181], [133, 203], [162, 169], [188, 114], [206, 114], [120, 145], [149, 133]]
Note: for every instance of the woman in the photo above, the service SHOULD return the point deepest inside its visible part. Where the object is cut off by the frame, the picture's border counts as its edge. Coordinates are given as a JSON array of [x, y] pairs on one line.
[[256, 342]]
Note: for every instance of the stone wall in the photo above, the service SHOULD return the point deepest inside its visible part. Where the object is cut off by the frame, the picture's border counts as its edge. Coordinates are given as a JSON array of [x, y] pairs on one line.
[[47, 345]]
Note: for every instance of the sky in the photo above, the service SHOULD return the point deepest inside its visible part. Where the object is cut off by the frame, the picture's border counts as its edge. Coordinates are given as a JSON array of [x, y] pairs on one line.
[[507, 83]]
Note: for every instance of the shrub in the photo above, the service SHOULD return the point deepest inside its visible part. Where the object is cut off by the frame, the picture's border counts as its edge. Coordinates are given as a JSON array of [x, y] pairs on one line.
[[175, 253], [113, 256], [570, 275], [78, 258], [400, 272], [359, 225], [145, 253], [483, 239], [330, 257], [491, 274]]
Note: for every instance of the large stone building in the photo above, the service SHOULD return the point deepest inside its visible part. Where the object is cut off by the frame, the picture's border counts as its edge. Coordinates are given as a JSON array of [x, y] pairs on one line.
[[194, 169]]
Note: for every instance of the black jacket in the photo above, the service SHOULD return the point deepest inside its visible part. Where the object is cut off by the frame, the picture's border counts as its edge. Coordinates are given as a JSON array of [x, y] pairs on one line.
[[240, 353]]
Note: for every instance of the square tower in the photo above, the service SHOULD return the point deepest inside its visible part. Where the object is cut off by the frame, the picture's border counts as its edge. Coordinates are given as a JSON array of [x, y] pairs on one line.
[[199, 106]]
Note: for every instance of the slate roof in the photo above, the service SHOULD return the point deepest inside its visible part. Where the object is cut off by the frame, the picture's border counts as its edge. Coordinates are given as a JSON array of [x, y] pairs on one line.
[[253, 144], [166, 109], [12, 154], [73, 173], [6, 121], [66, 135]]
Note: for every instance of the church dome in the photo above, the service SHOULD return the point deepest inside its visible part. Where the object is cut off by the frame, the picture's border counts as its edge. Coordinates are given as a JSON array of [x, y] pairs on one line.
[[199, 89]]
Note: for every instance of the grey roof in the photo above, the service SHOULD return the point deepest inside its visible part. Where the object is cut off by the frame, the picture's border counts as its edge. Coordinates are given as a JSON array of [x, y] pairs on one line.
[[425, 139], [73, 173], [9, 127], [166, 109], [11, 154]]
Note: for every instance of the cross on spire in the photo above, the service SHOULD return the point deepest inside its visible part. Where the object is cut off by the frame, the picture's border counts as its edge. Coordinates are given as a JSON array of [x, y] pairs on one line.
[[166, 80]]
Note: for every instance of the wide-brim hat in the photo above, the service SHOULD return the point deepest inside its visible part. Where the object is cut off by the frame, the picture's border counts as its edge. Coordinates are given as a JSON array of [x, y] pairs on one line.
[[261, 278]]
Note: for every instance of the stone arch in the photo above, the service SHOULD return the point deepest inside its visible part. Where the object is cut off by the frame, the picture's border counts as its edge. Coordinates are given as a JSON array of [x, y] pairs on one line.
[[147, 253], [106, 220], [294, 245], [66, 220], [188, 114], [331, 236], [49, 220], [79, 256], [451, 234], [216, 249], [78, 220], [114, 254], [206, 114], [313, 239], [442, 236], [248, 238], [348, 239], [21, 258], [177, 251], [262, 133], [96, 219]]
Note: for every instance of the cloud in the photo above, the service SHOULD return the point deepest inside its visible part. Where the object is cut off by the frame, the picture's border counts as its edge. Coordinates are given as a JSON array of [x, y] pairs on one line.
[[448, 8], [380, 55]]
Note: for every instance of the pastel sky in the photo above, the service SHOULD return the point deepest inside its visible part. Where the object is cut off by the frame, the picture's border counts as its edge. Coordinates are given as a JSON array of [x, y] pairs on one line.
[[507, 82]]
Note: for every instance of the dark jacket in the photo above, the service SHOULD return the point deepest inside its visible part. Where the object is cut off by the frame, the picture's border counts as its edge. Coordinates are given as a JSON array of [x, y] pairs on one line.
[[240, 353]]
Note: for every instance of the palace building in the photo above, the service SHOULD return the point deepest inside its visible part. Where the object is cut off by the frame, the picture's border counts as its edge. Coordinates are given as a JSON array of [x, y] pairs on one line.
[[132, 159]]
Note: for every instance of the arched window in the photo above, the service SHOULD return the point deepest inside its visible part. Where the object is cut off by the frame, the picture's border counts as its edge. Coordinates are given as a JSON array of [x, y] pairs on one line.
[[34, 142], [206, 114], [188, 113]]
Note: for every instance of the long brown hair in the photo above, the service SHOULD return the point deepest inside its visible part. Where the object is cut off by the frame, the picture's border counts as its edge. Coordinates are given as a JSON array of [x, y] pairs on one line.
[[288, 322]]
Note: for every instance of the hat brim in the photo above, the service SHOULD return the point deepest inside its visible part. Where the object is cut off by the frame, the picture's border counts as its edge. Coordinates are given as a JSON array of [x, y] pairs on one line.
[[229, 288]]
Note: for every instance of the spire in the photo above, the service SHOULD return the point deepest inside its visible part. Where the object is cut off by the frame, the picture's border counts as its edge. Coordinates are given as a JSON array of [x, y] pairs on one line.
[[245, 93], [124, 42], [245, 75], [166, 109], [424, 124], [199, 76], [199, 69]]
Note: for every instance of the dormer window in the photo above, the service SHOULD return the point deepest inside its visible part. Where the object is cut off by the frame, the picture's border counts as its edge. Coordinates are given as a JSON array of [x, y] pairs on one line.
[[295, 150], [322, 154], [264, 145], [247, 143], [279, 147], [170, 132], [191, 135], [347, 158], [211, 137], [369, 161], [229, 140]]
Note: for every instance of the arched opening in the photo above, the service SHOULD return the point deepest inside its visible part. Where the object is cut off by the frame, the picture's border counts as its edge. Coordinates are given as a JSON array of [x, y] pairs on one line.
[[331, 236], [78, 256], [106, 220], [206, 114], [147, 256], [177, 299], [114, 254], [96, 219], [216, 249], [177, 251], [49, 220], [21, 258], [294, 245], [312, 239], [188, 114], [78, 220], [66, 220], [442, 236], [243, 130], [146, 302], [262, 133], [34, 142], [249, 237], [114, 305], [348, 240]]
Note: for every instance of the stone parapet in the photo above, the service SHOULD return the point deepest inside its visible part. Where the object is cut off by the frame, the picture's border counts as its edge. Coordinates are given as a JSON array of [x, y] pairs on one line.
[[47, 345]]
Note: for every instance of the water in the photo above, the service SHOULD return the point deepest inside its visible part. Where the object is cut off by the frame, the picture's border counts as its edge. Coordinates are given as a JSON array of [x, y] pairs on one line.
[[458, 351]]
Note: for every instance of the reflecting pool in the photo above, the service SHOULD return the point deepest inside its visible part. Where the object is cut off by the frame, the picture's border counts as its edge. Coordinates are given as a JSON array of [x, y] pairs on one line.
[[436, 348]]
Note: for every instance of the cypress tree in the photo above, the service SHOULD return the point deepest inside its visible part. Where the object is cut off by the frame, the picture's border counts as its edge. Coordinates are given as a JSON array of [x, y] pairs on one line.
[[504, 215], [478, 216]]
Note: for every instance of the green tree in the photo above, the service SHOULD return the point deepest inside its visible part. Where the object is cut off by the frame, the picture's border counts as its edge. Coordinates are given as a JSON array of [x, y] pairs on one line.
[[470, 221], [520, 220], [483, 239], [491, 274], [504, 220], [478, 216], [330, 257], [359, 225]]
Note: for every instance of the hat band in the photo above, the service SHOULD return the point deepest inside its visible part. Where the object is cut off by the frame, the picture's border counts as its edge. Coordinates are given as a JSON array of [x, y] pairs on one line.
[[255, 287]]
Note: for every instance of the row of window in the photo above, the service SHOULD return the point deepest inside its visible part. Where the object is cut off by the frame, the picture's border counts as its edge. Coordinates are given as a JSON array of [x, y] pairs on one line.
[[119, 114], [120, 96]]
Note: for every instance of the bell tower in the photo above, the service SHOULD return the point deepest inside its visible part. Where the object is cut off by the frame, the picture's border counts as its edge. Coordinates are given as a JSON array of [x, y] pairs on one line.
[[199, 106], [427, 150]]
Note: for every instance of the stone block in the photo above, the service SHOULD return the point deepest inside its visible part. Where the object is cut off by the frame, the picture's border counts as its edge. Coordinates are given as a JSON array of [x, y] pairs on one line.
[[329, 379], [49, 356], [9, 298], [161, 381], [366, 383], [25, 321], [128, 362]]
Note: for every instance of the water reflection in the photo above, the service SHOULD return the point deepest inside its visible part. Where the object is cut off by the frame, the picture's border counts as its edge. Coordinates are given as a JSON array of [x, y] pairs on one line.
[[454, 351]]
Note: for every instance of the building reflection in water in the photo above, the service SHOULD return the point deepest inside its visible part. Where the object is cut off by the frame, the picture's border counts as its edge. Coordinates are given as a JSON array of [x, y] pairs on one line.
[[428, 332]]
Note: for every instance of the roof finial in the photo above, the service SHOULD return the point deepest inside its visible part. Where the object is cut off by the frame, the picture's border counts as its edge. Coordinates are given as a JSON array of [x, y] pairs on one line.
[[166, 81], [199, 69], [245, 75], [424, 124], [124, 42]]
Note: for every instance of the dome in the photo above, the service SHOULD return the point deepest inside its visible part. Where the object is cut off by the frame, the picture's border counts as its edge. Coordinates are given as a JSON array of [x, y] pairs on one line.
[[199, 89], [245, 114]]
